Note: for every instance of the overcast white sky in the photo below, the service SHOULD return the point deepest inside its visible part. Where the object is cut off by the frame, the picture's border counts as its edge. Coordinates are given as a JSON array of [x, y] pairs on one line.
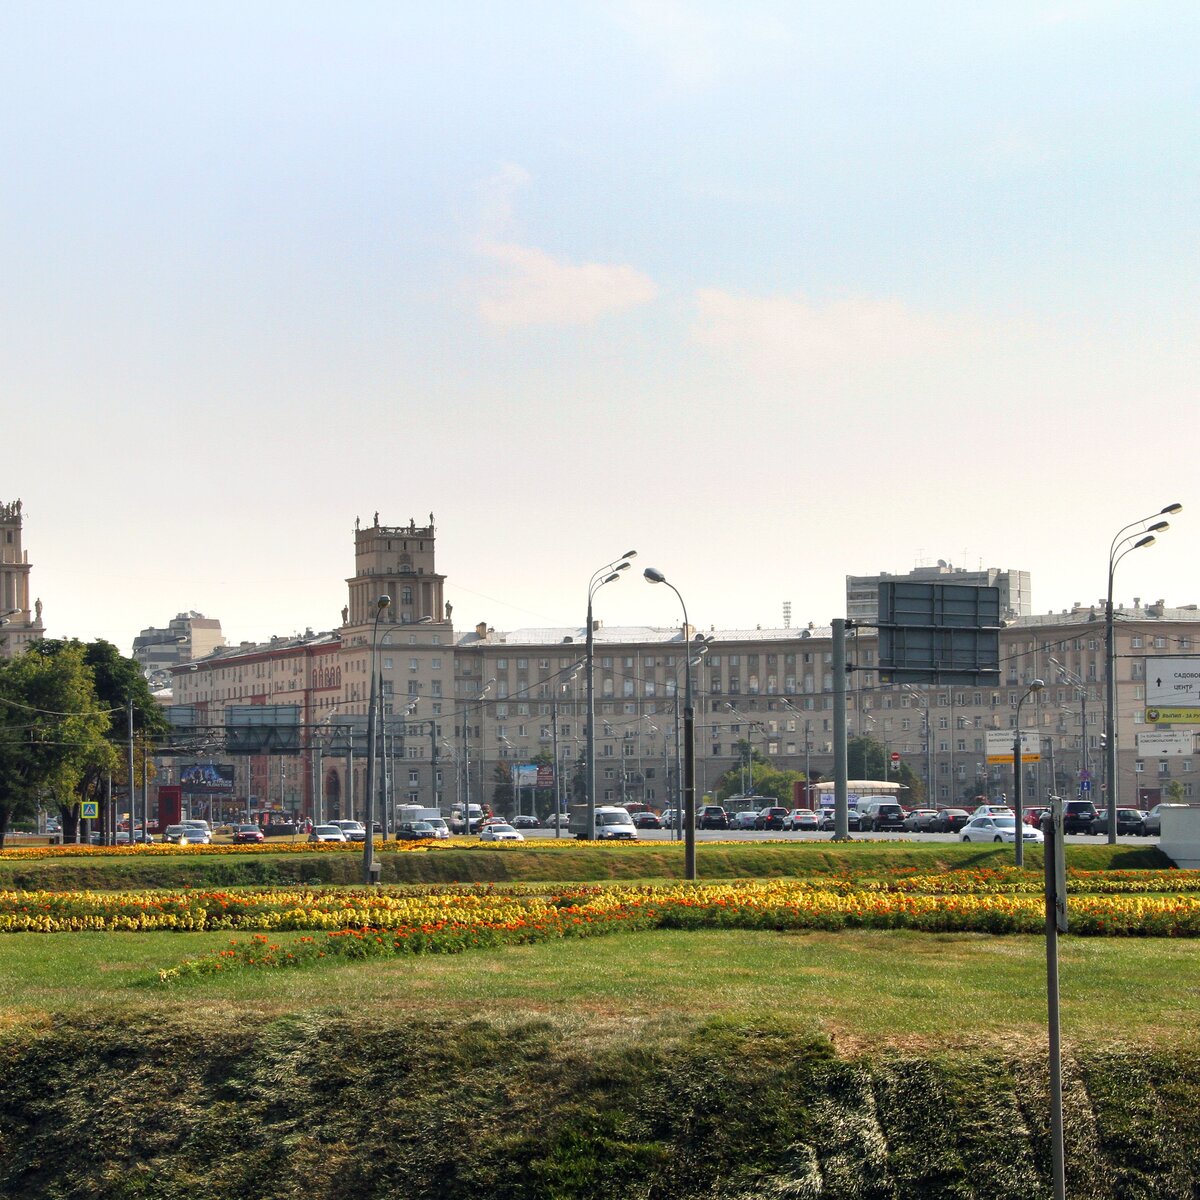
[[770, 292]]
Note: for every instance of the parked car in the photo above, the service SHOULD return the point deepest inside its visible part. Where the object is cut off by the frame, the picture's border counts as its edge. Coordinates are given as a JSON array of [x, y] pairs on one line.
[[882, 815], [743, 820], [992, 810], [525, 821], [326, 833], [920, 820], [949, 820], [998, 829], [1152, 821], [647, 820], [1078, 816], [714, 816], [355, 831], [498, 831], [409, 831], [770, 817], [247, 834], [855, 821], [1130, 821], [801, 820]]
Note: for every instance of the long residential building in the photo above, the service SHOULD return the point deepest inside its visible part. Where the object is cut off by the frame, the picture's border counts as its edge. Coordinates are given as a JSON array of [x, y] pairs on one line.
[[461, 709]]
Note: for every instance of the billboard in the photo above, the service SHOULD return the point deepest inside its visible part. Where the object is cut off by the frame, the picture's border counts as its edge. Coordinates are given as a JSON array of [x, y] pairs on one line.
[[1000, 746], [1165, 743], [262, 729], [1172, 690], [939, 633], [205, 778]]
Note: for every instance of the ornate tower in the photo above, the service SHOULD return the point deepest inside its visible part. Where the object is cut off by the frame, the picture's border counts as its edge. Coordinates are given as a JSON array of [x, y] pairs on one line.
[[23, 626], [395, 560]]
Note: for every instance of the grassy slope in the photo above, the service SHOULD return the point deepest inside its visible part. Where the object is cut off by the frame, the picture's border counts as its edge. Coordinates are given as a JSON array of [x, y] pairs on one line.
[[721, 1065], [571, 862]]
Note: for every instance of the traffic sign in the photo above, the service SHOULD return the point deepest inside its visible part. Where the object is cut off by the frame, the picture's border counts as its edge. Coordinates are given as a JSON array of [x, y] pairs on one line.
[[1173, 689], [1085, 785], [1000, 746], [895, 757], [89, 810], [1163, 743]]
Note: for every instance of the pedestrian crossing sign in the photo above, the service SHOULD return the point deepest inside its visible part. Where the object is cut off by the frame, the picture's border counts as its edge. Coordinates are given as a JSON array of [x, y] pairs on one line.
[[89, 810]]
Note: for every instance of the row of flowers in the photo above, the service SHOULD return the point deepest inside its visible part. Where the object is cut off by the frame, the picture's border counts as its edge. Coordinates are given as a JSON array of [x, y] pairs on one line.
[[454, 922], [754, 904]]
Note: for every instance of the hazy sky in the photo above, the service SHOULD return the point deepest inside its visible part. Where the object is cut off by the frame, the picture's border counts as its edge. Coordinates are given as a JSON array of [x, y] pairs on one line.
[[770, 292]]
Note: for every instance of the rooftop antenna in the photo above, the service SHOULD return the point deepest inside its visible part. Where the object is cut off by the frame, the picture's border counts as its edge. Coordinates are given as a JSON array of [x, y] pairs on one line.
[[787, 614]]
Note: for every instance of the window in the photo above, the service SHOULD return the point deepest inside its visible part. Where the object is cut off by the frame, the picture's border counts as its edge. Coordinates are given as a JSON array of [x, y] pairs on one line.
[[502, 664], [1139, 766], [414, 777]]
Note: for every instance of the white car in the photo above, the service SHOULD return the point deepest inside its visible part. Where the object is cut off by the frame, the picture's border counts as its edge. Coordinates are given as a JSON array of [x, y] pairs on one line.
[[801, 818], [326, 833], [355, 831], [499, 832], [998, 829], [993, 810], [440, 828]]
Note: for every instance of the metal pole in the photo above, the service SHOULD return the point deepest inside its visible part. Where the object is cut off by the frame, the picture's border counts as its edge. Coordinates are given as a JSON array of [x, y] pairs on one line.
[[689, 754], [145, 794], [1111, 797], [554, 743], [372, 726], [1020, 841], [1051, 833], [109, 812], [132, 775], [349, 772], [841, 810], [589, 653]]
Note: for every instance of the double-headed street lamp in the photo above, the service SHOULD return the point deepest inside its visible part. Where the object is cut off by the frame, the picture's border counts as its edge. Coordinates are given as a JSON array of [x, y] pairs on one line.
[[609, 573], [1122, 544], [1018, 771], [689, 735], [381, 606]]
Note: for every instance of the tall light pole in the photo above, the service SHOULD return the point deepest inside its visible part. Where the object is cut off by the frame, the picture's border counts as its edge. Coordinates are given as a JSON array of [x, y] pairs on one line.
[[609, 573], [559, 689], [689, 735], [1018, 771], [372, 703], [1121, 545]]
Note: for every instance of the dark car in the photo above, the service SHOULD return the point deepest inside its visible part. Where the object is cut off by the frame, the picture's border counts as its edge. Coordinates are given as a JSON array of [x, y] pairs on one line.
[[950, 820], [856, 822], [525, 821], [1129, 821], [415, 830], [770, 818], [886, 816], [647, 820], [247, 833], [713, 816], [1078, 816]]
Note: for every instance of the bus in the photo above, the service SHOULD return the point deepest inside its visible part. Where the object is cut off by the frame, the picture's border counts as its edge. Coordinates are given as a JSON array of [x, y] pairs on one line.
[[856, 791]]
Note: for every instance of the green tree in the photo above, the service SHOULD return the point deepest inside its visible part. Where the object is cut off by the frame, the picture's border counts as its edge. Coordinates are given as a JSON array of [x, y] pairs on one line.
[[764, 780], [52, 726], [117, 680], [1175, 791]]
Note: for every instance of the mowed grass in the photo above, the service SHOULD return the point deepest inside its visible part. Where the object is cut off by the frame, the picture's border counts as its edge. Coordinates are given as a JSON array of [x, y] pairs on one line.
[[860, 987]]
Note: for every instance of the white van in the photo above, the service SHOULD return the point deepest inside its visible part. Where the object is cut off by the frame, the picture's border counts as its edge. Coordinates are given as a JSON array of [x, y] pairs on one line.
[[612, 824]]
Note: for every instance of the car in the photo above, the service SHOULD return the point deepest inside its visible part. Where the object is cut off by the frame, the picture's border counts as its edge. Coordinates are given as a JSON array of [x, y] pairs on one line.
[[1130, 821], [173, 834], [1078, 816], [949, 820], [183, 835], [998, 829], [1152, 821], [327, 833], [281, 829], [801, 820], [714, 816], [855, 821], [498, 831], [668, 818], [919, 820], [1033, 816], [525, 821], [770, 817], [992, 810], [440, 828], [882, 815], [743, 820], [246, 834], [408, 831], [355, 831], [647, 820]]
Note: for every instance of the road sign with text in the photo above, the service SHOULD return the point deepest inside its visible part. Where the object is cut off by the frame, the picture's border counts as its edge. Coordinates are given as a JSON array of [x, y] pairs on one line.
[[1173, 690]]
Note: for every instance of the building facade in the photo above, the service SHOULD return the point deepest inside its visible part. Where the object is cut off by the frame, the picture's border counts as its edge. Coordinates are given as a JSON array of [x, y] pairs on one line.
[[862, 591], [21, 622], [187, 636], [460, 710]]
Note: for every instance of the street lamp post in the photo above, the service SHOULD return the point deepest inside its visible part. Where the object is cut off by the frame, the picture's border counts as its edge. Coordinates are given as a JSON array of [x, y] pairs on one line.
[[1018, 771], [372, 718], [609, 573], [689, 735], [1122, 544]]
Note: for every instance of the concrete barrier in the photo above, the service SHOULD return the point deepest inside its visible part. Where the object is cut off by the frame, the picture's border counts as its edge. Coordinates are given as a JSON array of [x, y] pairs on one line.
[[1180, 838]]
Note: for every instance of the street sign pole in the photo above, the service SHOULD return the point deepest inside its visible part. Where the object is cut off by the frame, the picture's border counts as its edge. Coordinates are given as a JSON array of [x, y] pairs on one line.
[[1056, 920]]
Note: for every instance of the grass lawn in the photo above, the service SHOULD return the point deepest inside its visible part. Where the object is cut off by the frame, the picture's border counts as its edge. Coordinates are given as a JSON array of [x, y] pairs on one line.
[[861, 987]]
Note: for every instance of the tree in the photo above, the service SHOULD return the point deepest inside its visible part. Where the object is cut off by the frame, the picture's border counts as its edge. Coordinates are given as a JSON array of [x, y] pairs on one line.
[[764, 780], [52, 725], [117, 680], [1175, 792], [502, 792]]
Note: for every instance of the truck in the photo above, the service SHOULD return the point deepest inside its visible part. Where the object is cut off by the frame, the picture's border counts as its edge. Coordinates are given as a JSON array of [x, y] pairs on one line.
[[611, 823], [457, 824]]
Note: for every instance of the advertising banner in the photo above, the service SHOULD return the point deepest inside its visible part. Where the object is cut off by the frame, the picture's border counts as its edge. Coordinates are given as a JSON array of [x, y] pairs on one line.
[[205, 778]]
